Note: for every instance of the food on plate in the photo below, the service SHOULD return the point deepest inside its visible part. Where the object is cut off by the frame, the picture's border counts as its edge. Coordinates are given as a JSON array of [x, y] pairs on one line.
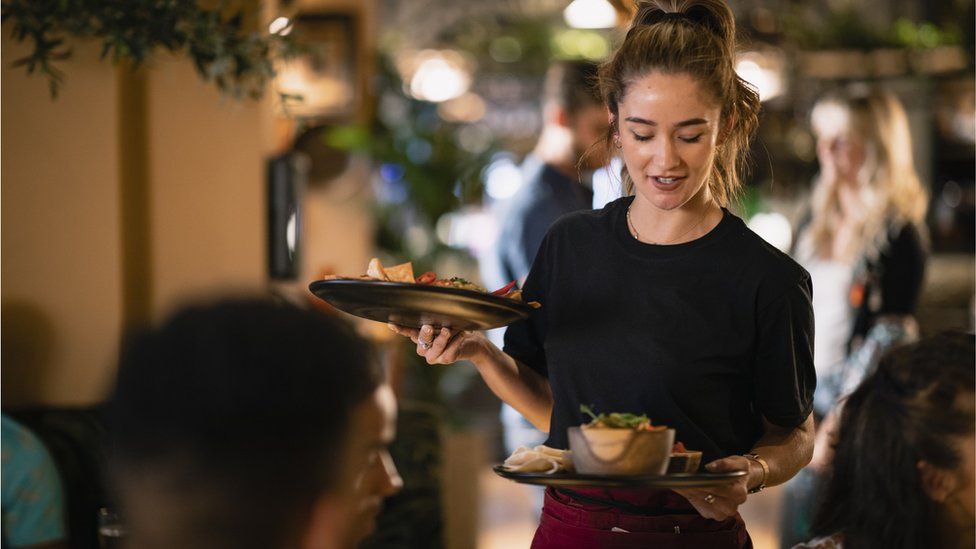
[[404, 273], [620, 444], [683, 460], [541, 459], [619, 421]]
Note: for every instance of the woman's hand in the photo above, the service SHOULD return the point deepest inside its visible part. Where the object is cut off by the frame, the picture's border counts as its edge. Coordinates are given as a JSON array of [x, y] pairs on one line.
[[722, 501], [444, 346]]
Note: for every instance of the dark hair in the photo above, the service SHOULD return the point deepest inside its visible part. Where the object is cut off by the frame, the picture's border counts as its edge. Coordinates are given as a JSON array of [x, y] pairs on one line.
[[694, 37], [572, 85], [903, 413], [242, 405]]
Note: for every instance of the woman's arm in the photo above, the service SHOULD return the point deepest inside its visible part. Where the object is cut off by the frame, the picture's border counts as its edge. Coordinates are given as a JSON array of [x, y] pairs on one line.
[[512, 381], [785, 451]]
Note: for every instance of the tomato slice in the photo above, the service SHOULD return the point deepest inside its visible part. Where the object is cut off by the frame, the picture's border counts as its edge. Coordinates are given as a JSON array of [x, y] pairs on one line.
[[426, 278], [504, 289]]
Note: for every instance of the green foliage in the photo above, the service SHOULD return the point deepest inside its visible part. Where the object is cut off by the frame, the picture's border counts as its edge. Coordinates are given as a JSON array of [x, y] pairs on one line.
[[812, 28], [222, 41]]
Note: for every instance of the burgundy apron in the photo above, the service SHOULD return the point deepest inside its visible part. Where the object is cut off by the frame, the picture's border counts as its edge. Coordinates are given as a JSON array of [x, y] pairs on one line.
[[627, 519]]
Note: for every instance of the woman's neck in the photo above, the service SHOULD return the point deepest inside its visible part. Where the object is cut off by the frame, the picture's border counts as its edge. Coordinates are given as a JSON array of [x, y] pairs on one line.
[[691, 221]]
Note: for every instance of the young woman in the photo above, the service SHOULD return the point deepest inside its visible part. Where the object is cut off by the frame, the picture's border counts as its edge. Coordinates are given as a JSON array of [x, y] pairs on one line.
[[663, 302], [902, 476], [863, 245]]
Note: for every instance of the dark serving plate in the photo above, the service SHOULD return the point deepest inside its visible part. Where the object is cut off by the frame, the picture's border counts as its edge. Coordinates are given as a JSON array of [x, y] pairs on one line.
[[676, 480], [416, 304]]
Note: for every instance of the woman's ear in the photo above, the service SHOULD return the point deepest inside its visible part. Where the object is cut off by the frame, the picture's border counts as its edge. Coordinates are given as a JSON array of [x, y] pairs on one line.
[[937, 483], [725, 131]]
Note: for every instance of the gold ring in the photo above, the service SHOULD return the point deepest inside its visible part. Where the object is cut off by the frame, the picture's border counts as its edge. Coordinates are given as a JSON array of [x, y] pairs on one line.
[[709, 498]]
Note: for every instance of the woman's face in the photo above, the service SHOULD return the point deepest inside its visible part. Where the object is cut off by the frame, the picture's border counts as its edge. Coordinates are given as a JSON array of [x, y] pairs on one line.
[[668, 129], [840, 150]]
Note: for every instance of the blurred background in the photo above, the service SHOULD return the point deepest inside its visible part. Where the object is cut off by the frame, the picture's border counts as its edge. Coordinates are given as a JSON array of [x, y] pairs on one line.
[[183, 149]]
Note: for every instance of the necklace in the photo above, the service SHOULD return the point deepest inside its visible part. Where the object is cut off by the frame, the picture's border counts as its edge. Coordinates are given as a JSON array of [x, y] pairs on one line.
[[633, 228]]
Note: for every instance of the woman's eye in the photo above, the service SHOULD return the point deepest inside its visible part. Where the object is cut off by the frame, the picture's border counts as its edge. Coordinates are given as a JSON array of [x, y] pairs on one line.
[[639, 137], [692, 139]]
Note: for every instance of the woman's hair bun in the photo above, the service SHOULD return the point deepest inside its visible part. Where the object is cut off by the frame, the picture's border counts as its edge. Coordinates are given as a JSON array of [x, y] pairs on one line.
[[711, 14]]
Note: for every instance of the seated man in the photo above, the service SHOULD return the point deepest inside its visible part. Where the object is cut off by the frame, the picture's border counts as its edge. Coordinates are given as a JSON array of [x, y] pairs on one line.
[[250, 424]]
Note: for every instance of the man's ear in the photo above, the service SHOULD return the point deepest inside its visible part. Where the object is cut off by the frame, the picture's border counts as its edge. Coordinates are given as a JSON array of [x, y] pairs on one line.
[[937, 483], [326, 524]]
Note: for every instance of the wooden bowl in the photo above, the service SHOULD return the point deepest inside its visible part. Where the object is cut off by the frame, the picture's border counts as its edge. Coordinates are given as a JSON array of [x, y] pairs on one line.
[[605, 451]]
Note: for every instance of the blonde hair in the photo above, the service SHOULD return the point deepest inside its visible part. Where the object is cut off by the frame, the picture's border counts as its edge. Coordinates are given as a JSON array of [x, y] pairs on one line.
[[694, 37], [888, 179]]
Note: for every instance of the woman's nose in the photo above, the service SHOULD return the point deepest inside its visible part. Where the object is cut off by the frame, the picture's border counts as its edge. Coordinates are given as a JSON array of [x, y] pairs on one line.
[[665, 155]]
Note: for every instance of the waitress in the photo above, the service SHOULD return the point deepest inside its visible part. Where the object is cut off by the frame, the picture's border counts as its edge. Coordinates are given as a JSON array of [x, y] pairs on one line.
[[663, 302]]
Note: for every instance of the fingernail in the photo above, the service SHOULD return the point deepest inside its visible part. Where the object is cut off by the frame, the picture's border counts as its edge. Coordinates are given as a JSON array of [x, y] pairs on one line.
[[445, 331], [391, 326], [426, 329]]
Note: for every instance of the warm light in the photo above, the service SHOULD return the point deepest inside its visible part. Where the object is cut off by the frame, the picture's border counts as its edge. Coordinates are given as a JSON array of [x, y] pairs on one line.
[[281, 25], [439, 76], [468, 108], [590, 14], [762, 71]]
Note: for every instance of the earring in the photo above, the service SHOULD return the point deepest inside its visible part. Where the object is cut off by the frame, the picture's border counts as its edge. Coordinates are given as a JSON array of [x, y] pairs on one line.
[[617, 143]]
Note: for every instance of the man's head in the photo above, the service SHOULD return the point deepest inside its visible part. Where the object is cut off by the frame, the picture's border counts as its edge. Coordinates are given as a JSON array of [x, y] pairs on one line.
[[572, 101], [250, 424]]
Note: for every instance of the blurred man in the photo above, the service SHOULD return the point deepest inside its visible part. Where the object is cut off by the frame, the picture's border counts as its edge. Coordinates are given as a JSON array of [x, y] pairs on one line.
[[251, 424], [555, 182], [557, 172]]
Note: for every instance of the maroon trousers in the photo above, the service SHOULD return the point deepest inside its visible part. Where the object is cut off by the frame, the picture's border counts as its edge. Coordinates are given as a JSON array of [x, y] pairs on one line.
[[654, 519]]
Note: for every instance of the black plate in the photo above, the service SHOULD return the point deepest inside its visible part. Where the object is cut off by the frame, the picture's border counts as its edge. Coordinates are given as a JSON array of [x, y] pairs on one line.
[[677, 480], [415, 304]]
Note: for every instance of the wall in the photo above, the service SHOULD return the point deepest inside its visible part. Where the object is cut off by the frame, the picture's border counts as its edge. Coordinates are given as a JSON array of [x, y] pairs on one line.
[[60, 251]]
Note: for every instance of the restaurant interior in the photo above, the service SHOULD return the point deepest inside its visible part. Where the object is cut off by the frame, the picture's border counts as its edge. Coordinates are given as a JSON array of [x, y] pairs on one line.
[[171, 152]]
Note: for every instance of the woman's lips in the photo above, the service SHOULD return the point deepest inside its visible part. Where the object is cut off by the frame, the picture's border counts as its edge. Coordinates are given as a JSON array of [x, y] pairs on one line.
[[667, 183]]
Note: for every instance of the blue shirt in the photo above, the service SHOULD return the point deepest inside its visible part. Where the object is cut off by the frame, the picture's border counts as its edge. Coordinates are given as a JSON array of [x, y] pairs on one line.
[[32, 496]]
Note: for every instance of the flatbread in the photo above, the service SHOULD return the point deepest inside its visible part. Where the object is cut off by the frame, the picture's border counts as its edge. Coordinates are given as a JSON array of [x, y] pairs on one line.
[[401, 273], [376, 270]]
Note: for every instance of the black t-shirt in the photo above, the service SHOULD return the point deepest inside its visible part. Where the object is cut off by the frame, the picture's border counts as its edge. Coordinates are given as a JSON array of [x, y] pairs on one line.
[[705, 337]]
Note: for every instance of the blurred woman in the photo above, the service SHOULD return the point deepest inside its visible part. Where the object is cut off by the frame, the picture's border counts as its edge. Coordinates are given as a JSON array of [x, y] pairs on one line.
[[863, 245], [902, 475]]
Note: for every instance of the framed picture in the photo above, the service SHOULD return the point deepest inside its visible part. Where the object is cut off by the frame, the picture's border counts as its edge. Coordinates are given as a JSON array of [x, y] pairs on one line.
[[325, 84]]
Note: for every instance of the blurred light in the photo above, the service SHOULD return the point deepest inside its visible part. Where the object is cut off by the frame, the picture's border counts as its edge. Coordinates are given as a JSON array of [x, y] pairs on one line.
[[419, 151], [391, 172], [470, 107], [590, 14], [764, 70], [291, 234], [505, 49], [418, 241], [502, 178], [830, 119], [475, 138], [952, 194], [281, 25], [572, 43], [473, 229], [774, 228], [435, 75]]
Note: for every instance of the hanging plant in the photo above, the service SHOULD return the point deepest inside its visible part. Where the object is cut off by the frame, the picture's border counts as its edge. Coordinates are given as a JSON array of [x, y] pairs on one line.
[[227, 45]]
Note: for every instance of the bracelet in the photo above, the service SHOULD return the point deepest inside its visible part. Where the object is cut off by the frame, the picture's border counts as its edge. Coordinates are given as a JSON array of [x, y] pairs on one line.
[[765, 469]]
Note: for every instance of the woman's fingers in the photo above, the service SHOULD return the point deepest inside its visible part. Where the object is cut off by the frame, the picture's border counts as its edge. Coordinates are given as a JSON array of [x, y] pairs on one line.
[[438, 345], [405, 331]]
